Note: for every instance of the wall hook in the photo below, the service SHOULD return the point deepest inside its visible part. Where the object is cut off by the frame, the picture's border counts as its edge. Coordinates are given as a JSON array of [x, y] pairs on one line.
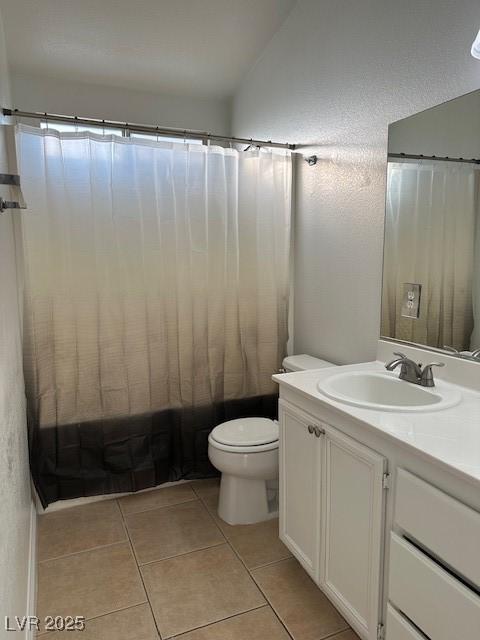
[[311, 160]]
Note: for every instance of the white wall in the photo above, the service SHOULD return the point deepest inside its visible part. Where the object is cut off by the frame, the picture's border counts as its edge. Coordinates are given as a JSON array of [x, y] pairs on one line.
[[33, 93], [332, 78], [14, 474]]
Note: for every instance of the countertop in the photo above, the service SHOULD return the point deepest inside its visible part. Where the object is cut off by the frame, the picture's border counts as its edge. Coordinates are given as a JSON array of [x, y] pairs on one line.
[[450, 436]]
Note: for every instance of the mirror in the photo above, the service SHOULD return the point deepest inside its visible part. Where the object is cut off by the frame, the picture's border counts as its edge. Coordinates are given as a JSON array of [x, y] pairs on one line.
[[431, 270]]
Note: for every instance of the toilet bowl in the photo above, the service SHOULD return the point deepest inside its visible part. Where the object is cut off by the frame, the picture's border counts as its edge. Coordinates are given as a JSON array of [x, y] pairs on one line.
[[245, 451]]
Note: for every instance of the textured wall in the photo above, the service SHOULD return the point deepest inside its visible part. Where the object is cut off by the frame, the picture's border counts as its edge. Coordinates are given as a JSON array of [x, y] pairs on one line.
[[14, 474], [93, 101], [332, 78]]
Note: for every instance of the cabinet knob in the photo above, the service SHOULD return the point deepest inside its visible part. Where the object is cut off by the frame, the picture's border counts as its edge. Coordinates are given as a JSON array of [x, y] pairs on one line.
[[319, 432], [311, 428]]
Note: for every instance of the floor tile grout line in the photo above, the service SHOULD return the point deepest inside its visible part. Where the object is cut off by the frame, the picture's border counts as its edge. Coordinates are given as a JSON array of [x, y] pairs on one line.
[[159, 506], [270, 604], [250, 574], [139, 571], [179, 555], [332, 636], [202, 501], [196, 492], [327, 637], [211, 624], [182, 555], [77, 553], [269, 564]]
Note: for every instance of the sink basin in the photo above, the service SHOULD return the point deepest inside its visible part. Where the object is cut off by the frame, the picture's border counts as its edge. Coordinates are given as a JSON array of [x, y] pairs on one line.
[[386, 392]]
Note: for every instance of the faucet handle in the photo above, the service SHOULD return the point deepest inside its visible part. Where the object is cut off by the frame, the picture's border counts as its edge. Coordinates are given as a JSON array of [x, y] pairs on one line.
[[400, 355], [427, 375]]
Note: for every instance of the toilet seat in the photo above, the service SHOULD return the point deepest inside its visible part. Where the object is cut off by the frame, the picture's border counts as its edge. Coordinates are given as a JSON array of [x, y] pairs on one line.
[[245, 435], [247, 449]]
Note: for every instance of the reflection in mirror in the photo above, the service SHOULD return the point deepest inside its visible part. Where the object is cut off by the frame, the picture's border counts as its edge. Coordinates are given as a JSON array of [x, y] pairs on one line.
[[431, 273]]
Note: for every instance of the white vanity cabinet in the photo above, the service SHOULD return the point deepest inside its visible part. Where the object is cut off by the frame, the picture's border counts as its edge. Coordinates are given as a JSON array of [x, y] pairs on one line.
[[332, 513], [382, 508]]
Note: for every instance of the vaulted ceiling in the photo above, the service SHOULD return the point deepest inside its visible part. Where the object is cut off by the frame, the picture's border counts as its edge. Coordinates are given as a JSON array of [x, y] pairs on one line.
[[181, 47]]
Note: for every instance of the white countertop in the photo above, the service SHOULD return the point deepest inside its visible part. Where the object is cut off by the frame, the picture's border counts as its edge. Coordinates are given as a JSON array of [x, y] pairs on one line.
[[450, 436]]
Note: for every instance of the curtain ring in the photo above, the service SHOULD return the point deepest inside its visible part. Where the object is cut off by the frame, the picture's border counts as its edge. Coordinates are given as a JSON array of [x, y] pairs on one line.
[[103, 128], [157, 133], [46, 120], [184, 136], [76, 124]]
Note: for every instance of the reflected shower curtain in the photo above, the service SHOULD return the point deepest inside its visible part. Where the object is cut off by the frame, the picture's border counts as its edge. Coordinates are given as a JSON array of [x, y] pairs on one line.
[[430, 219], [156, 297]]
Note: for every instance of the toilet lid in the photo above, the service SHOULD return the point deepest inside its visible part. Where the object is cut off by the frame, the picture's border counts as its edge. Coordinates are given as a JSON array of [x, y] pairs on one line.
[[246, 432]]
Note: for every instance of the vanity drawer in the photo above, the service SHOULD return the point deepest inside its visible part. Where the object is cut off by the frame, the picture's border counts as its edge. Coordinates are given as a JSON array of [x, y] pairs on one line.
[[439, 604], [445, 526], [399, 628]]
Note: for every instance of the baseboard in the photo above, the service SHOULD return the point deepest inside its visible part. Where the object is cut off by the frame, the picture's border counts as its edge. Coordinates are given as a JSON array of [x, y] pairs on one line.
[[32, 570]]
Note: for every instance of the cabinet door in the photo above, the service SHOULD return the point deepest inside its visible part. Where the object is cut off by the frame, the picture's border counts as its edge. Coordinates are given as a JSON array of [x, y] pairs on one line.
[[353, 521], [300, 494]]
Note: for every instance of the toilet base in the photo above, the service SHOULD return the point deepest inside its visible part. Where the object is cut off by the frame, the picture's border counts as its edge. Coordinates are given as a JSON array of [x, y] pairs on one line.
[[246, 500]]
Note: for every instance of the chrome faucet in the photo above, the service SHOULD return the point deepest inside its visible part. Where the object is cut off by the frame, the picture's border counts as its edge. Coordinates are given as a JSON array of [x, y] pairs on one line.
[[413, 372]]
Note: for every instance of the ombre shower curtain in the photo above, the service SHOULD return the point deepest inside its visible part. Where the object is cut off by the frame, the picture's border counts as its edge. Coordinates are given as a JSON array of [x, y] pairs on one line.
[[431, 213], [156, 302]]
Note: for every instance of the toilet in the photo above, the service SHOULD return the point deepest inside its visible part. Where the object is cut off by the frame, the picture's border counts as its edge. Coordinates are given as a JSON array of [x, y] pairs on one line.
[[245, 451]]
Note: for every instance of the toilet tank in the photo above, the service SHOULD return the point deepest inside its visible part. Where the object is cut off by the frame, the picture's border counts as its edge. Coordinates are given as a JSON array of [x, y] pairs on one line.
[[302, 362]]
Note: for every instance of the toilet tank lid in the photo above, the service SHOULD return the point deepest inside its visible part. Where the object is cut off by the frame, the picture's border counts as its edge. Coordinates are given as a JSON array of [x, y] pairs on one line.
[[302, 362]]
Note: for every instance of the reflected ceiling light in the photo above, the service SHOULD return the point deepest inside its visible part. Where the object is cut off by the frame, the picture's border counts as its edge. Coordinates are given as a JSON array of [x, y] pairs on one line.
[[476, 46]]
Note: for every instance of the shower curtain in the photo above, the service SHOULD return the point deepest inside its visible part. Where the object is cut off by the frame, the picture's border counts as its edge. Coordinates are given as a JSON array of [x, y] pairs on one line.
[[156, 300], [431, 212]]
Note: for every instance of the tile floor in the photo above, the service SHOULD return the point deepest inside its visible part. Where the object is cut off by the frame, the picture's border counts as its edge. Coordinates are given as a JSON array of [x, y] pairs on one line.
[[162, 564]]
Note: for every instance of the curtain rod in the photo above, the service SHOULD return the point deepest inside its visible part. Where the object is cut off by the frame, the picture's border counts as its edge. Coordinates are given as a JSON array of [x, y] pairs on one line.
[[411, 156], [143, 128]]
